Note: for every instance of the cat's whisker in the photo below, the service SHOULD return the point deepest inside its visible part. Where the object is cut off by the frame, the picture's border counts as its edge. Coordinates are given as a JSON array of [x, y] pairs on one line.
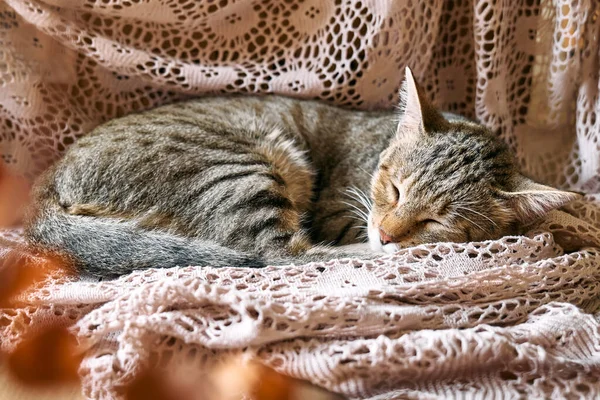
[[358, 212], [360, 227], [360, 197], [358, 209], [478, 213], [474, 223], [352, 205], [463, 202], [358, 216], [362, 215], [354, 217], [366, 200], [371, 174]]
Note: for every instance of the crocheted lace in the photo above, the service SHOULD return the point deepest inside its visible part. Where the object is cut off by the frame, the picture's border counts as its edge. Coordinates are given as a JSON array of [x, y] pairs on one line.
[[515, 317]]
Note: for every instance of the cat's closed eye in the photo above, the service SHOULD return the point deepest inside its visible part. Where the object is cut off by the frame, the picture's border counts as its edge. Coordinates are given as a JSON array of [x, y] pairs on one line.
[[430, 221], [395, 193]]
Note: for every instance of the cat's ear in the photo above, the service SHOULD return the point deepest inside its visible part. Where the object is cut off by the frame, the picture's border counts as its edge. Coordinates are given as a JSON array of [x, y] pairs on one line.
[[531, 200], [417, 114]]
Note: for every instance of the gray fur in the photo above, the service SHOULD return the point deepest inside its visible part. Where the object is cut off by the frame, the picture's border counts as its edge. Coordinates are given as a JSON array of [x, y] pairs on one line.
[[110, 247], [248, 181]]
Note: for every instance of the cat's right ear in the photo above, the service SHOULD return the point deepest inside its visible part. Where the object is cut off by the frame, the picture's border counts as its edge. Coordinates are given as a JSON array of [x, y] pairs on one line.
[[417, 115], [531, 200]]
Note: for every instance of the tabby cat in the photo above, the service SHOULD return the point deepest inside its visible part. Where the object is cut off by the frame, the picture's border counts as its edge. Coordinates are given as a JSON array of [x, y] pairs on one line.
[[250, 181]]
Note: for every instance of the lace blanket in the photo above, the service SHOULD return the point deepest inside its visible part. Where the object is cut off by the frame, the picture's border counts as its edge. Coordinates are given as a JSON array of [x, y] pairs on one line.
[[514, 318]]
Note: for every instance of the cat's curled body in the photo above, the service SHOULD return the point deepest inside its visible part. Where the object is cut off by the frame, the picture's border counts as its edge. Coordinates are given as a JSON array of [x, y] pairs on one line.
[[250, 181]]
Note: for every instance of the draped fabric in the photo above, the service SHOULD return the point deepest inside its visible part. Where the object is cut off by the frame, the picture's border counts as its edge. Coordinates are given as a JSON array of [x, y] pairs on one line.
[[513, 317]]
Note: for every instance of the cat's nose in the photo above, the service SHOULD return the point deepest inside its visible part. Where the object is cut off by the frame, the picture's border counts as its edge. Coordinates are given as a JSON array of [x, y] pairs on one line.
[[384, 238]]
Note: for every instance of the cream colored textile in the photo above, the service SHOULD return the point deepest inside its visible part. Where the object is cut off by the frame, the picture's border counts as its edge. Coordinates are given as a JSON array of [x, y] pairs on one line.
[[514, 317]]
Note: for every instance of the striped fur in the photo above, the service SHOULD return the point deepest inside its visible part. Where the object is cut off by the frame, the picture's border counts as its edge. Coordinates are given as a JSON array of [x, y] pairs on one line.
[[246, 181]]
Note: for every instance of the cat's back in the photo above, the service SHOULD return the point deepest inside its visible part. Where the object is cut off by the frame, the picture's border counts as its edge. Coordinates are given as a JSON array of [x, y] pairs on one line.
[[185, 128], [221, 114], [134, 159]]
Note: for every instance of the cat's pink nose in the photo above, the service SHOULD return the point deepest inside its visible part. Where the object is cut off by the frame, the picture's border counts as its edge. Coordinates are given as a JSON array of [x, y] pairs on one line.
[[384, 238]]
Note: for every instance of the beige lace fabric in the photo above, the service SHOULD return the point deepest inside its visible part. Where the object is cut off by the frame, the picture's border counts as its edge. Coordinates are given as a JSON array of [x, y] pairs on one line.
[[513, 318]]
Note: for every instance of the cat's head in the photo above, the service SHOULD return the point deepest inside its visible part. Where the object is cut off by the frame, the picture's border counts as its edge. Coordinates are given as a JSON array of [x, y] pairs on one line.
[[441, 181]]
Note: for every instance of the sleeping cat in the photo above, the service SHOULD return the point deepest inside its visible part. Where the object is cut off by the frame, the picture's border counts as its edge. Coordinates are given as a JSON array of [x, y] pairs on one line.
[[251, 181]]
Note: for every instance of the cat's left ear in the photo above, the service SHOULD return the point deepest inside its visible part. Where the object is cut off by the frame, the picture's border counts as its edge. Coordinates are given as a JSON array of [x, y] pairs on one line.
[[418, 115], [531, 200]]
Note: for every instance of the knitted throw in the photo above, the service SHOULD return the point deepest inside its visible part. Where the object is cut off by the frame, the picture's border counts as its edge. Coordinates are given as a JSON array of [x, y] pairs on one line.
[[513, 318]]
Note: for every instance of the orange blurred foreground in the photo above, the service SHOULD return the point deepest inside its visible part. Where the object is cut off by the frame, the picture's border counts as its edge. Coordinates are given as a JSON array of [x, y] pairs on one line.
[[19, 271], [233, 380], [46, 359]]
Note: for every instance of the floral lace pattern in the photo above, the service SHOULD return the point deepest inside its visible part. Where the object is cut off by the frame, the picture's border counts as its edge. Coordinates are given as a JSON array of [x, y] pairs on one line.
[[515, 316]]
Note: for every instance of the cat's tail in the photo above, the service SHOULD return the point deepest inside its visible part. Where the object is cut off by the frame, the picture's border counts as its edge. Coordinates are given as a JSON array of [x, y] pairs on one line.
[[109, 247]]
